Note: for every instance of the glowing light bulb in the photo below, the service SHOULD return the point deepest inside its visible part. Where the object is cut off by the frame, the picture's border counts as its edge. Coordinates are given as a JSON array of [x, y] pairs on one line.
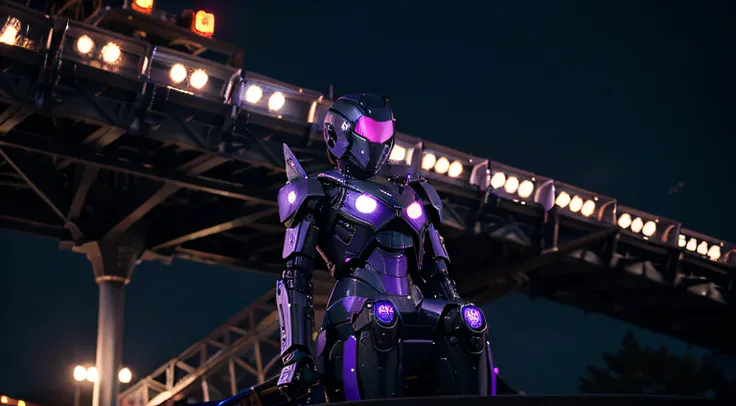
[[276, 101], [714, 253], [512, 185], [442, 166], [199, 79], [692, 244], [526, 188], [649, 228], [92, 374], [498, 180], [111, 53], [291, 197], [125, 375], [681, 241], [414, 211], [456, 169], [85, 45], [702, 248], [253, 94], [576, 204], [365, 204], [624, 221], [397, 154], [428, 161], [9, 33], [563, 199], [80, 373], [178, 73], [637, 224], [588, 208]]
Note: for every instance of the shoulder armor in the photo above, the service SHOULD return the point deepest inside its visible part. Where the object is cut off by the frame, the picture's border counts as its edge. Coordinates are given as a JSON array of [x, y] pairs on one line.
[[298, 189], [332, 176], [429, 196]]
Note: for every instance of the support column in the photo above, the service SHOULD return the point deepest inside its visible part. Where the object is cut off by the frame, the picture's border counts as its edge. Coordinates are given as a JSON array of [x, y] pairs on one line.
[[113, 260]]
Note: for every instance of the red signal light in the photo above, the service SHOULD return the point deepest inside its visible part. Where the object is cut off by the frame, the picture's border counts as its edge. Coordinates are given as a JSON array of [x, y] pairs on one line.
[[203, 23], [142, 6]]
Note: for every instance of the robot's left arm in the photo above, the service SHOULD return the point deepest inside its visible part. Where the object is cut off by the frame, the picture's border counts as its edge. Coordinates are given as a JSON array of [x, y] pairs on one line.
[[437, 278]]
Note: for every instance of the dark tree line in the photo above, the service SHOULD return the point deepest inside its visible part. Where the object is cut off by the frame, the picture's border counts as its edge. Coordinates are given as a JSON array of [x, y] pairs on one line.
[[636, 369]]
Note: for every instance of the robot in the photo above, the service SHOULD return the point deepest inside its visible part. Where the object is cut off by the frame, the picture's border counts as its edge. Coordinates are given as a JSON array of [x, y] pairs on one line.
[[395, 325]]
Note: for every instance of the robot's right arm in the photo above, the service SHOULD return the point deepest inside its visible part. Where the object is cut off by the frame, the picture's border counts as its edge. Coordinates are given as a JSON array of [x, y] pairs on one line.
[[298, 203]]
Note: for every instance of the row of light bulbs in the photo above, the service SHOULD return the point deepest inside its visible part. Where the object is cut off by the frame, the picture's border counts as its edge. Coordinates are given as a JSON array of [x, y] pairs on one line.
[[512, 185], [197, 79], [254, 94], [442, 165], [10, 30], [575, 204], [637, 225], [110, 53], [713, 253]]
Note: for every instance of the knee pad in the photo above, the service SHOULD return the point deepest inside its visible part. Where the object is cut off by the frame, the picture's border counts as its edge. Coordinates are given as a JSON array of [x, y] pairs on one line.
[[466, 326], [382, 320]]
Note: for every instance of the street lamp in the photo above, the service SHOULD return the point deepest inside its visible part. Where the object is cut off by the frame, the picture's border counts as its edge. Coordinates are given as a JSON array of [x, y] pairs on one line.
[[81, 374]]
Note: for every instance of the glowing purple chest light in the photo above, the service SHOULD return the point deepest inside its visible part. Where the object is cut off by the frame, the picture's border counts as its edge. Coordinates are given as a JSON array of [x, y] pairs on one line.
[[414, 210], [473, 317], [366, 204], [384, 312]]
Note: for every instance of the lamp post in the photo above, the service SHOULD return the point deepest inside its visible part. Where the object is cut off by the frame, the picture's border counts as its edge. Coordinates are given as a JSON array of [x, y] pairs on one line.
[[90, 374]]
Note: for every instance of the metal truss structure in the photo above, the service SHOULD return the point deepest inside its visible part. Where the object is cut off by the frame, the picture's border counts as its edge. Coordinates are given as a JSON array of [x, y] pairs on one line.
[[116, 163], [240, 353]]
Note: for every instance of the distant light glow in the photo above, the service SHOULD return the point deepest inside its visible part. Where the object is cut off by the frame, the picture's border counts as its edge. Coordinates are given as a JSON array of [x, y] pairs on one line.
[[4, 400], [624, 221], [649, 228], [199, 79], [85, 45], [526, 188], [414, 211], [442, 166], [714, 253], [637, 225], [291, 197], [588, 208], [253, 94], [576, 204], [702, 248], [366, 204], [428, 161], [563, 199], [80, 373], [456, 169], [512, 185], [178, 73], [692, 244], [111, 53], [125, 375], [9, 34], [397, 154], [498, 180], [276, 101], [92, 374]]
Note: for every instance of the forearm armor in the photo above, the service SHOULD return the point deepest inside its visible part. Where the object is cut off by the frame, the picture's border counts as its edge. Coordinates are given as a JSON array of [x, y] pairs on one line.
[[439, 279], [294, 295]]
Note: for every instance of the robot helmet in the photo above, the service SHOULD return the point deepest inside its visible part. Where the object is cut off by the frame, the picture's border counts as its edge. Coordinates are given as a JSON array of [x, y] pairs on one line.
[[359, 132]]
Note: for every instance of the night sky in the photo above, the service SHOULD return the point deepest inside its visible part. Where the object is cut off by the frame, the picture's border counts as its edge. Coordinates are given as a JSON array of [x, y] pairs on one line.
[[625, 98]]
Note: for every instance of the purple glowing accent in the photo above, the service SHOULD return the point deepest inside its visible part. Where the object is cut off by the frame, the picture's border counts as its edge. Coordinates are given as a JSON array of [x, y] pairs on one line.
[[473, 317], [366, 204], [380, 216], [395, 286], [349, 366], [352, 304], [494, 371], [374, 131], [384, 312], [414, 211]]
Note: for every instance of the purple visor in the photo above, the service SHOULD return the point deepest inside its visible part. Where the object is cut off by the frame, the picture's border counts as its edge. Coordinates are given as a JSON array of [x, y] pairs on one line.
[[374, 131]]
